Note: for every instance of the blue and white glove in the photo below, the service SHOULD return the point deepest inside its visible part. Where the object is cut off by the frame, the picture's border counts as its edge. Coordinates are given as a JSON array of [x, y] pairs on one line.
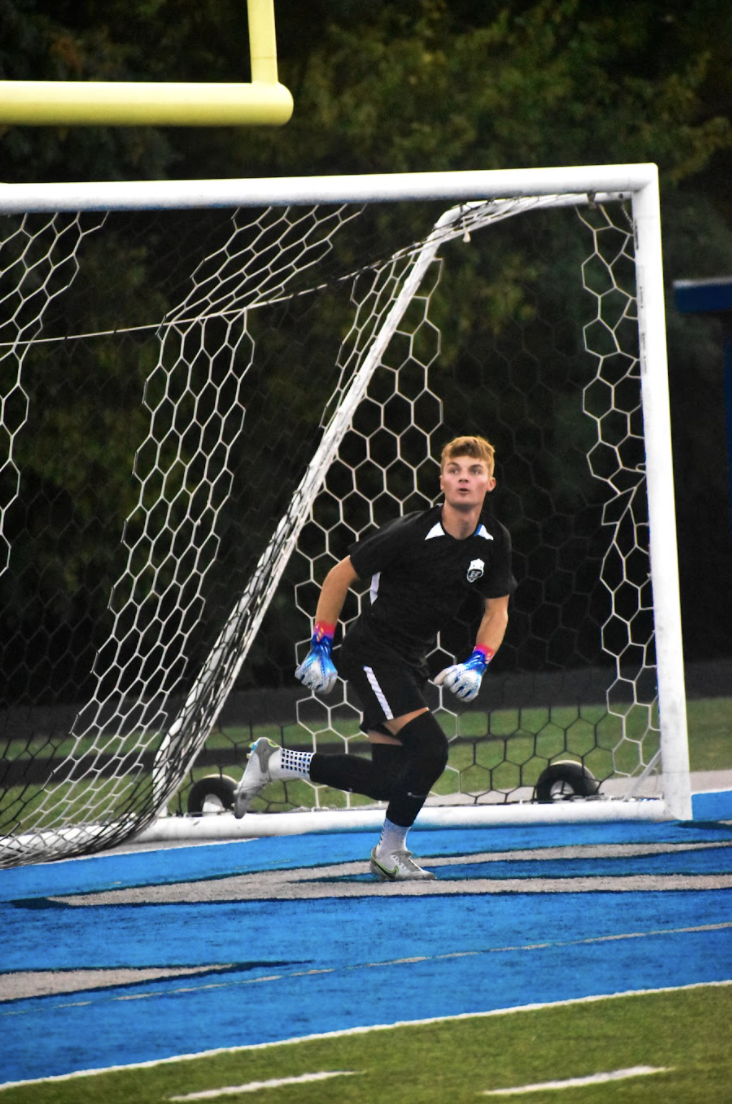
[[317, 671], [464, 679]]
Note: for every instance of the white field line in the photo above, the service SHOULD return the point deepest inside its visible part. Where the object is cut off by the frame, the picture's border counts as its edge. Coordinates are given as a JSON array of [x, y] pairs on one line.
[[493, 1012], [572, 1082], [255, 1086]]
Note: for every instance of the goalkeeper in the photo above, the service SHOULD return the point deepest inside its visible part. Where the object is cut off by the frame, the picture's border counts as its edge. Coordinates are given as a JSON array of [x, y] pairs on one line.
[[422, 567]]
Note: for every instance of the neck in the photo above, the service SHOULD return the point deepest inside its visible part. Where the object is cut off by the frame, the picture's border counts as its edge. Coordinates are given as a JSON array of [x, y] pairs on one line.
[[460, 524]]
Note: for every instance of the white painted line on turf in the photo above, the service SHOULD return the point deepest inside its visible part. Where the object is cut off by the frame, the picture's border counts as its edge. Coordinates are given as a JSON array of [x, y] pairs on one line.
[[255, 1086], [576, 1082], [367, 1029]]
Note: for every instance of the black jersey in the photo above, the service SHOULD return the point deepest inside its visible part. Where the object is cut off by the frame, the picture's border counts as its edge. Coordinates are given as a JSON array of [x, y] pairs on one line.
[[420, 576]]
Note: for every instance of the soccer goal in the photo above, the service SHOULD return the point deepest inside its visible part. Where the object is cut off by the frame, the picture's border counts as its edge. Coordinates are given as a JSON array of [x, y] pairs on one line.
[[212, 388]]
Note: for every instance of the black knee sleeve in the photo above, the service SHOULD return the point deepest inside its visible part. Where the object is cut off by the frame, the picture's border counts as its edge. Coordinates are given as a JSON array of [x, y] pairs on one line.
[[425, 750], [425, 745]]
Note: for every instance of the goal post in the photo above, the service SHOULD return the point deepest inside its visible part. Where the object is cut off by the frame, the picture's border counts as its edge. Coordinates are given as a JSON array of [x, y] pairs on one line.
[[213, 387], [661, 505]]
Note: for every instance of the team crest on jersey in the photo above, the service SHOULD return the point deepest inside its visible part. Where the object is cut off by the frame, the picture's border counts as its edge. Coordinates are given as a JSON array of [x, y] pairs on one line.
[[475, 570]]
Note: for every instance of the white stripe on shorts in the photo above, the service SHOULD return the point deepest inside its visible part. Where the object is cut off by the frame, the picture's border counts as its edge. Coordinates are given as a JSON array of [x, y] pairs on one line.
[[380, 696]]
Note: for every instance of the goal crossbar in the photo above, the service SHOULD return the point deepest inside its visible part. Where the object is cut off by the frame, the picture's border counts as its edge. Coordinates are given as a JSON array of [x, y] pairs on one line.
[[262, 102], [479, 184]]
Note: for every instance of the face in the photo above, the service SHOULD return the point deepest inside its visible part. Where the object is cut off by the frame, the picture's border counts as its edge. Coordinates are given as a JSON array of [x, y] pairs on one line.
[[465, 482]]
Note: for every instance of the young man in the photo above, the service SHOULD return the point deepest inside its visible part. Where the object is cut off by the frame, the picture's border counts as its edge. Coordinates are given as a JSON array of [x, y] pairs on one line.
[[422, 567]]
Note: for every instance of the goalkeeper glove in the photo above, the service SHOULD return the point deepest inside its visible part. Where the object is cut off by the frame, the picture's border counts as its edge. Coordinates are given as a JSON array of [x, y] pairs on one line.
[[464, 678], [317, 671]]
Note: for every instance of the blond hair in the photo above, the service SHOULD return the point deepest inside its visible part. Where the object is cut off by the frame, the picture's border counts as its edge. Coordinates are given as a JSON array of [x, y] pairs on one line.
[[477, 447]]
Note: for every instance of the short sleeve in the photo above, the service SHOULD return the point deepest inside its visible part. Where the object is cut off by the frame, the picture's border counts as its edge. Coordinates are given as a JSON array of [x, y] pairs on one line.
[[378, 550], [499, 579]]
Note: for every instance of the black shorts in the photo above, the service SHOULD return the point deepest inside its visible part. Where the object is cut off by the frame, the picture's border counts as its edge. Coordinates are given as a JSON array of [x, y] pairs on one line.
[[386, 686]]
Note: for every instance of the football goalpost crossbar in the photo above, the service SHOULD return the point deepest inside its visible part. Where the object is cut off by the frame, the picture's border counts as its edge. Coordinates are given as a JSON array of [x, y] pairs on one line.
[[261, 102], [293, 234]]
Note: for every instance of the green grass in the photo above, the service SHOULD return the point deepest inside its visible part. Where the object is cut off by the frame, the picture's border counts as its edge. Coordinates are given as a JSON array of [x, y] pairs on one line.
[[685, 1032], [510, 748], [502, 750], [519, 733], [710, 734]]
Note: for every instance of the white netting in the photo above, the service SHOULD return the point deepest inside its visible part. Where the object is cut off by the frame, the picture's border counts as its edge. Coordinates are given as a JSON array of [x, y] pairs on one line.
[[38, 264], [305, 368], [612, 399]]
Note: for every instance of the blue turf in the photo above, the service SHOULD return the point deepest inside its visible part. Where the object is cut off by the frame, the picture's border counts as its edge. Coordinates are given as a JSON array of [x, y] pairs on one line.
[[102, 872], [92, 1029], [473, 952]]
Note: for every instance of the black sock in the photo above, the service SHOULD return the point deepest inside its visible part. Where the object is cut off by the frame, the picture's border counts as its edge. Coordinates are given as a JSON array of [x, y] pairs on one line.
[[356, 774]]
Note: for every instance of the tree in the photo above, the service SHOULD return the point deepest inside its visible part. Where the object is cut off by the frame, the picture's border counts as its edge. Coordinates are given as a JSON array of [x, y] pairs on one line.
[[419, 85]]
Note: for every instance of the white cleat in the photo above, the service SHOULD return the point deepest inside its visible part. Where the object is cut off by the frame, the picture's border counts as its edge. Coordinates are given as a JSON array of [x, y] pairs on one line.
[[398, 866], [256, 775]]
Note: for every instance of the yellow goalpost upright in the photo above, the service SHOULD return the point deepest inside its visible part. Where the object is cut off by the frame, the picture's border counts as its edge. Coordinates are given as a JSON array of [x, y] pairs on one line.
[[262, 102]]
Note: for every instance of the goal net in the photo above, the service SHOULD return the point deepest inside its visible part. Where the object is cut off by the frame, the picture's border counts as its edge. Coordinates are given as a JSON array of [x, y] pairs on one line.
[[210, 390]]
